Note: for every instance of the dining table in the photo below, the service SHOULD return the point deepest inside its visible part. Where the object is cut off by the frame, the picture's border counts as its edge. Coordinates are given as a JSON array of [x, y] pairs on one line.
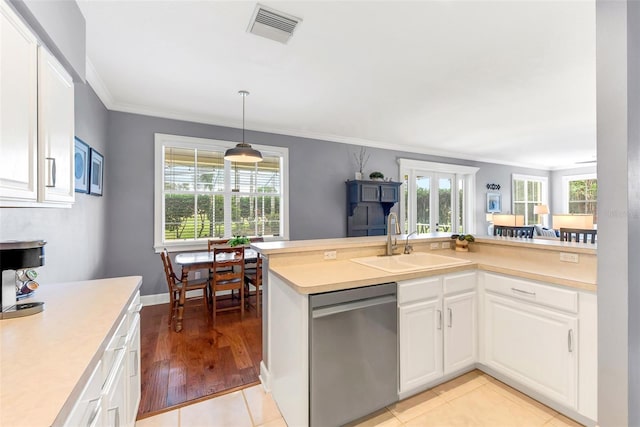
[[191, 261]]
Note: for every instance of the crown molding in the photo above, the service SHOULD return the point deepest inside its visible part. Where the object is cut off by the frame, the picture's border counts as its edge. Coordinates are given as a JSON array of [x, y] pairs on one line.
[[98, 86]]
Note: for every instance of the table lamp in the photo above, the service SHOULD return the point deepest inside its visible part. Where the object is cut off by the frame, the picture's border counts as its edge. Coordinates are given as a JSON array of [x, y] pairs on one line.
[[541, 210]]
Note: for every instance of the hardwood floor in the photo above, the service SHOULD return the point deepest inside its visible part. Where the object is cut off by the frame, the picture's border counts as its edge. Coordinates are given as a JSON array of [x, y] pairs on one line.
[[199, 362]]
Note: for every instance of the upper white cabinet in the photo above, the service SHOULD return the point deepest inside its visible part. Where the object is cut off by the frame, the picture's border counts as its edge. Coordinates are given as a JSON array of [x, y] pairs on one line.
[[437, 328], [55, 131], [36, 120], [18, 108]]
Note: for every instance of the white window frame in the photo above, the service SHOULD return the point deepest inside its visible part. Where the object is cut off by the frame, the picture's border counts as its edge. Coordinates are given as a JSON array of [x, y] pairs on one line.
[[545, 193], [162, 140], [411, 168], [565, 187]]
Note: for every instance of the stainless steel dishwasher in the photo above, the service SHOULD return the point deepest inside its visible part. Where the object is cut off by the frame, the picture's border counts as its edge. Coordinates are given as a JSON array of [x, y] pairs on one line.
[[353, 353]]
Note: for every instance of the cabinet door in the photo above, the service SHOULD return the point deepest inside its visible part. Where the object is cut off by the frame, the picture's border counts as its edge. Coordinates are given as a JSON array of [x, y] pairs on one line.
[[133, 369], [533, 345], [420, 343], [18, 108], [369, 193], [55, 131], [115, 399], [460, 332], [388, 193]]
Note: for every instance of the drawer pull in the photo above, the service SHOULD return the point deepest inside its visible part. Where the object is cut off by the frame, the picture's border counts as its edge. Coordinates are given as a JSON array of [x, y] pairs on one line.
[[520, 291], [570, 340], [52, 173], [450, 317], [439, 319]]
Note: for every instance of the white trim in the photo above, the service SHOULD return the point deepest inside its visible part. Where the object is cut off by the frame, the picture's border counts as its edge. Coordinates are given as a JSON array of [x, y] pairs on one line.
[[565, 187], [157, 299], [410, 167], [545, 192], [161, 139]]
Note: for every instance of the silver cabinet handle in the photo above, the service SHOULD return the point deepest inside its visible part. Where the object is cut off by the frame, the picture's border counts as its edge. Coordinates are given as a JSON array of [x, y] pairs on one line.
[[439, 319], [570, 340], [135, 363], [450, 317], [523, 292], [52, 172]]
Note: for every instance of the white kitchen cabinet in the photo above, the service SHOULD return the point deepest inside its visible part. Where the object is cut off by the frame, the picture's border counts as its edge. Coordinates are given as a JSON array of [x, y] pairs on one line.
[[460, 332], [115, 397], [532, 344], [420, 341], [437, 332], [55, 131], [36, 120], [112, 394], [18, 108]]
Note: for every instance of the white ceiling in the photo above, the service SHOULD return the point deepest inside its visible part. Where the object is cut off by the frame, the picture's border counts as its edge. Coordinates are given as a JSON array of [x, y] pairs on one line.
[[503, 81]]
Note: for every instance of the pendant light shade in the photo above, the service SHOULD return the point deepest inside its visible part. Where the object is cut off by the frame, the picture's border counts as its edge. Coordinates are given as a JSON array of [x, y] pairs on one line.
[[243, 152]]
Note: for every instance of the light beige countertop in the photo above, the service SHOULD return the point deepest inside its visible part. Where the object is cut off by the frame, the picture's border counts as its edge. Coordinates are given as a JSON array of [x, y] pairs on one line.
[[45, 358], [301, 265]]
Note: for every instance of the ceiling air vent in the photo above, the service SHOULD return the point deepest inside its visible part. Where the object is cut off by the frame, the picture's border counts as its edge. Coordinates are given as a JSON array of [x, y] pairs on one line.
[[272, 24]]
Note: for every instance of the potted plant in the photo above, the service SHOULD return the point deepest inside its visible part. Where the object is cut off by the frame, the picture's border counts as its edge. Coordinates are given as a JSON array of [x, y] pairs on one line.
[[376, 176], [462, 241], [238, 241]]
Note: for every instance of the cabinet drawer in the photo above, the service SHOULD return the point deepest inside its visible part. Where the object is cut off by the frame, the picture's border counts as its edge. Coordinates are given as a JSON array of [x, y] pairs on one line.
[[550, 296], [419, 289], [88, 408], [458, 283], [116, 346]]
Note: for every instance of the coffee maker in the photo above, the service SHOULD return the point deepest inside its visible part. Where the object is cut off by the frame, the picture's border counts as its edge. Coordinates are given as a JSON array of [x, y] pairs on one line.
[[15, 257]]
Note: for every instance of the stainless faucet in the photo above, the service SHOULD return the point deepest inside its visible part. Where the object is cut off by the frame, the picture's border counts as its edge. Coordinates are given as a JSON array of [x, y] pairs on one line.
[[407, 247], [394, 245]]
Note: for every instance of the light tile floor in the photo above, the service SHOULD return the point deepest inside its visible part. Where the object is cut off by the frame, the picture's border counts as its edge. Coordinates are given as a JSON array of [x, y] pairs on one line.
[[474, 399]]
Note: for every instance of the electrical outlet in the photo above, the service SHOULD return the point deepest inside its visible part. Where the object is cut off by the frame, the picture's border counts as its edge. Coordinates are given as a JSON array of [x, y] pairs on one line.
[[567, 257], [446, 245], [330, 255], [435, 245]]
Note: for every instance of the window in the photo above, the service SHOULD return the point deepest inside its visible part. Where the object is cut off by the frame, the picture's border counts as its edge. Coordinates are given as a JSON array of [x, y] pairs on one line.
[[527, 192], [580, 194], [199, 195], [437, 197]]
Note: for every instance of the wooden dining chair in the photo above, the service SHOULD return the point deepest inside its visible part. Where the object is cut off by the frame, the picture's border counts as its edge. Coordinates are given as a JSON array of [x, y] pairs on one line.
[[580, 234], [253, 277], [514, 231], [228, 275], [175, 285]]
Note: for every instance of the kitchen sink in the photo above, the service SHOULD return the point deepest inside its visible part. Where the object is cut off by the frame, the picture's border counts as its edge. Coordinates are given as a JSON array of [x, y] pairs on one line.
[[416, 261]]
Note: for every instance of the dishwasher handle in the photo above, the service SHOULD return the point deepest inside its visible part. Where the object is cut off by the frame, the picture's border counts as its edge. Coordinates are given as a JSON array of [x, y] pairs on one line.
[[349, 306]]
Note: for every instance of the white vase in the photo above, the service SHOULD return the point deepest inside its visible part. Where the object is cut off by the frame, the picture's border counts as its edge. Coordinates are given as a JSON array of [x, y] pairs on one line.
[[358, 176]]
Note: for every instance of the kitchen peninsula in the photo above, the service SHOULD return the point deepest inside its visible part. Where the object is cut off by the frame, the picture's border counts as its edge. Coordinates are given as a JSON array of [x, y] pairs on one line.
[[523, 311], [76, 362]]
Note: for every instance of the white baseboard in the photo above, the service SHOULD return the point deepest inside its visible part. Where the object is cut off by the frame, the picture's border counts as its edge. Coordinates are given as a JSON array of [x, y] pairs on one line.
[[164, 298], [265, 378]]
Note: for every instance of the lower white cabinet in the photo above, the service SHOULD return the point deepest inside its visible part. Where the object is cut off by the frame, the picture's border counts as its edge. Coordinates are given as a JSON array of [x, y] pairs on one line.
[[437, 319], [112, 394], [534, 345], [460, 332]]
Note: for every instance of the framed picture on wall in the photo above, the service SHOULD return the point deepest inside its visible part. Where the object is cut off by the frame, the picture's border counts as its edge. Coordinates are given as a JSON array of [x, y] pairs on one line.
[[81, 166], [493, 202], [97, 172]]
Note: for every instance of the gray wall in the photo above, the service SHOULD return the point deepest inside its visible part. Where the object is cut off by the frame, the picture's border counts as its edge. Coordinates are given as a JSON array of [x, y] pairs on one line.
[[62, 28], [317, 172], [75, 237]]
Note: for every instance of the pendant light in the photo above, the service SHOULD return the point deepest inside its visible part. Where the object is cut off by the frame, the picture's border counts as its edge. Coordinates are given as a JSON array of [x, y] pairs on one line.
[[243, 152]]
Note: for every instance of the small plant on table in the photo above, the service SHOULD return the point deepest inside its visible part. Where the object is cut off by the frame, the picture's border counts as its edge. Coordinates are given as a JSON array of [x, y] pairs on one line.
[[462, 241]]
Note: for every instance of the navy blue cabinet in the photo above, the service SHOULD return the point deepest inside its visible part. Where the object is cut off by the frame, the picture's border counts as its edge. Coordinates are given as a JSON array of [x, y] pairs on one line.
[[368, 204]]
